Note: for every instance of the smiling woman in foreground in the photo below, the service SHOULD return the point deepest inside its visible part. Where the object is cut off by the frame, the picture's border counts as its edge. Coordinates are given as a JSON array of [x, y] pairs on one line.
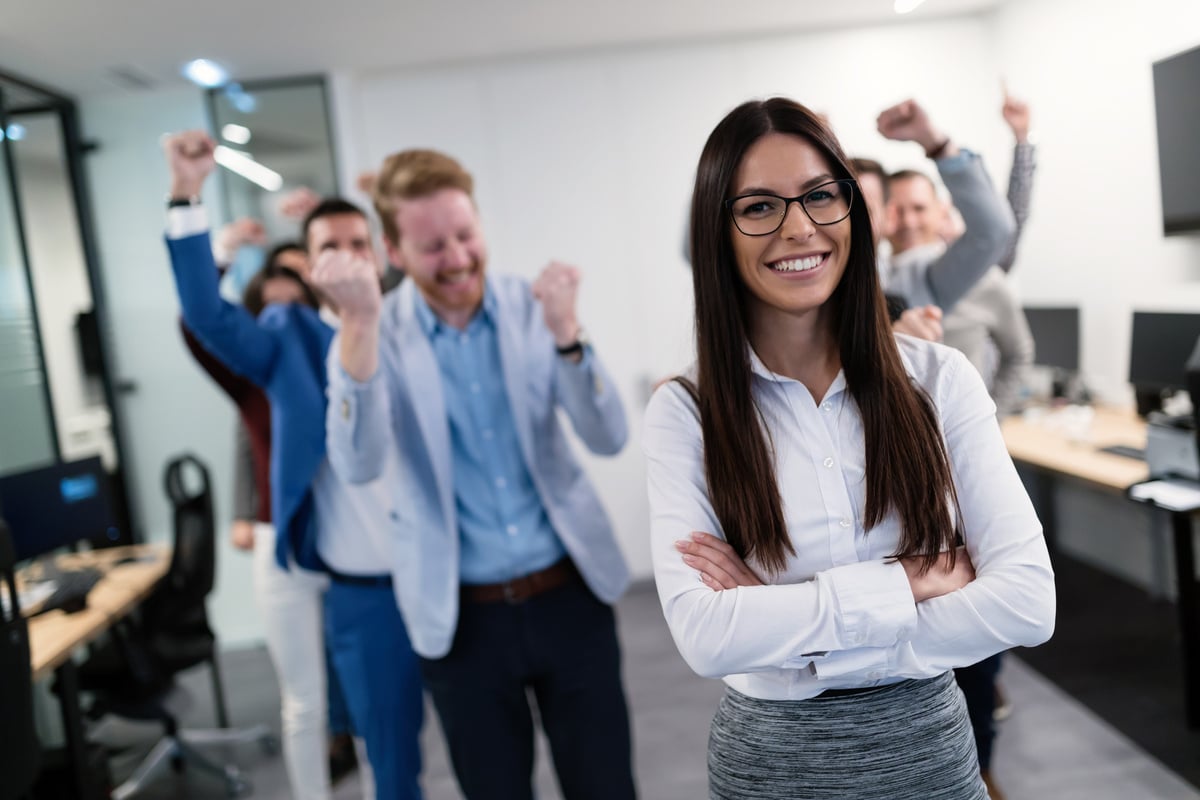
[[835, 521]]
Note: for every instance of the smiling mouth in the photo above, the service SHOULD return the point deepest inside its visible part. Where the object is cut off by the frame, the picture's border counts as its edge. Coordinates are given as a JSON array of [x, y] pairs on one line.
[[799, 264], [457, 277]]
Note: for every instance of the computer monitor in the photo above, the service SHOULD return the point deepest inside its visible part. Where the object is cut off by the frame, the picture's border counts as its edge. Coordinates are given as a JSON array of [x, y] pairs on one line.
[[1158, 354], [57, 506], [1055, 336]]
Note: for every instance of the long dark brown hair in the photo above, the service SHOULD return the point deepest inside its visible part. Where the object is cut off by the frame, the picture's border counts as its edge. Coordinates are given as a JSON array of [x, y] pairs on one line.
[[908, 470]]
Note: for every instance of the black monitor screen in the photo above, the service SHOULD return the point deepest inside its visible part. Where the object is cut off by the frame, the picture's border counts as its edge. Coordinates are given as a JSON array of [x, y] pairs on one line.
[[1160, 348], [1055, 336], [1177, 112], [57, 506]]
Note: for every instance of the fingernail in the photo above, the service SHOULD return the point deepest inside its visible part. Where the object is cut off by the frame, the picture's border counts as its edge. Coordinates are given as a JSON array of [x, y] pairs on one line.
[[699, 537], [689, 559], [682, 544]]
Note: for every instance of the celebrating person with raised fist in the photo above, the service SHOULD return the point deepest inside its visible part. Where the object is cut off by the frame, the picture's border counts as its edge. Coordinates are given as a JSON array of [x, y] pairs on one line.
[[922, 269], [509, 561], [329, 533]]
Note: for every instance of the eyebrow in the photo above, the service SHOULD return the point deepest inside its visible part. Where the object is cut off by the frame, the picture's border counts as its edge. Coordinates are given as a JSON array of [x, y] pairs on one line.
[[816, 180]]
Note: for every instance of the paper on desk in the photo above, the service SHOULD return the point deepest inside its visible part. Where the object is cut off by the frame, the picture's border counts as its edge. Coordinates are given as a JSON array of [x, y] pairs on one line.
[[1173, 495], [29, 596]]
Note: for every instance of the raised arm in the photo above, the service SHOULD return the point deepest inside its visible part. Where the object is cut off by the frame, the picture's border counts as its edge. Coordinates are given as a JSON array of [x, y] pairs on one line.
[[226, 331], [1020, 178], [356, 425], [583, 387], [988, 221]]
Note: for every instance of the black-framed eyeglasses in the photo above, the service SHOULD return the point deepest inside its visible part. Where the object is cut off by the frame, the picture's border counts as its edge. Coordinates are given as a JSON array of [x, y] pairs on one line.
[[763, 214]]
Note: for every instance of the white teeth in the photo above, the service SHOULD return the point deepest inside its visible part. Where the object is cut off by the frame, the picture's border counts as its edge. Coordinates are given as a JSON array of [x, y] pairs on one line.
[[798, 264], [458, 276]]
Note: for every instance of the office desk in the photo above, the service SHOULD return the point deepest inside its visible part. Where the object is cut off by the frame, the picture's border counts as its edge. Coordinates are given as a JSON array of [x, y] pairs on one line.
[[54, 636], [1056, 451]]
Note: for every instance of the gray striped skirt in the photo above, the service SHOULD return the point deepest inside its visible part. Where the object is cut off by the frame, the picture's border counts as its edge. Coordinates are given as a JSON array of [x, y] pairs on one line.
[[907, 741]]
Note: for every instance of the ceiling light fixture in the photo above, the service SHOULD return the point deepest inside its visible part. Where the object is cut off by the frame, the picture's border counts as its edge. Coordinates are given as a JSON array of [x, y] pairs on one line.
[[248, 168], [238, 134], [203, 72], [14, 133], [905, 6]]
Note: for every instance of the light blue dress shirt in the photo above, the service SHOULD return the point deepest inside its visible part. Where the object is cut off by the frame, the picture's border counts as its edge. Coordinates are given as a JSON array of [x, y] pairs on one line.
[[503, 528]]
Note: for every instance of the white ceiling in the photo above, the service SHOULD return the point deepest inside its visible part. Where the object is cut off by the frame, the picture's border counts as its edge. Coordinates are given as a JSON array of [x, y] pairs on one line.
[[76, 45]]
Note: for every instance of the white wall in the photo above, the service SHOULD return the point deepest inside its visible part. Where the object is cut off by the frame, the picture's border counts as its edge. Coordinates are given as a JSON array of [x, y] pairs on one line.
[[1095, 234], [174, 408], [590, 159]]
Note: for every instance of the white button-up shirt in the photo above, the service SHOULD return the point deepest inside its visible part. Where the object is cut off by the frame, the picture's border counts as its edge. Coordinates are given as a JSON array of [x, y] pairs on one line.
[[841, 614]]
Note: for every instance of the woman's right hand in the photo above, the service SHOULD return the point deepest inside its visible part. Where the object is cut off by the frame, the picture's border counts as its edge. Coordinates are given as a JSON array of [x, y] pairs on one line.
[[942, 578]]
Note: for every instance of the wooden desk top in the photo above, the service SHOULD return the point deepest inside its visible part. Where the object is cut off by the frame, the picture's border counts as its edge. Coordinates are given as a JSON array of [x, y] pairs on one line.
[[1059, 443], [53, 636]]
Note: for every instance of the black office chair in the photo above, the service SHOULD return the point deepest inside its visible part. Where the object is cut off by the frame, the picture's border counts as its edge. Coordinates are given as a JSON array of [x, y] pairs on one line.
[[133, 674], [19, 753]]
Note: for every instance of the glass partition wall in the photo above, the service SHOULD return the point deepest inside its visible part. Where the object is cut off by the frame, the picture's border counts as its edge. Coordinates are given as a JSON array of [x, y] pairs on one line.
[[55, 394]]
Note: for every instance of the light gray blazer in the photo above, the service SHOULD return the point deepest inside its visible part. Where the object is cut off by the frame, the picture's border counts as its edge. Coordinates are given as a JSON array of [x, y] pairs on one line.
[[400, 415]]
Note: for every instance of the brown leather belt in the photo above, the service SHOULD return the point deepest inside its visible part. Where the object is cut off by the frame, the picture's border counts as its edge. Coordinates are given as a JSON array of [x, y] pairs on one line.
[[518, 590]]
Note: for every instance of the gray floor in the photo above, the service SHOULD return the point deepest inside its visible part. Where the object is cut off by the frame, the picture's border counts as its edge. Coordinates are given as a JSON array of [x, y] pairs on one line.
[[1052, 748]]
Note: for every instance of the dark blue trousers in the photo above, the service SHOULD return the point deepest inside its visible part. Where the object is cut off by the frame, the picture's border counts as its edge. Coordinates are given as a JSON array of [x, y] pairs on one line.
[[978, 684], [381, 679], [561, 646]]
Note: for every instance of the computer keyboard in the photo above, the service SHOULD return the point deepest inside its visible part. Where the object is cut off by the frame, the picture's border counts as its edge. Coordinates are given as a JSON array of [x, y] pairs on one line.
[[70, 590], [1125, 450]]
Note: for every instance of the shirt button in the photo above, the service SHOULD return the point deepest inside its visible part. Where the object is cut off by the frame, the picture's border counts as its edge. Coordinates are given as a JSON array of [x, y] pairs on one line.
[[845, 523], [511, 530], [474, 388], [828, 462], [827, 406], [487, 434], [501, 483], [463, 338], [345, 409]]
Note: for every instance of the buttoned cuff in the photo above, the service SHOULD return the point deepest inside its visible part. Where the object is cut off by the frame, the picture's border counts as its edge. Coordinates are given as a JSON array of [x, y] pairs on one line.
[[867, 663], [185, 221], [875, 603]]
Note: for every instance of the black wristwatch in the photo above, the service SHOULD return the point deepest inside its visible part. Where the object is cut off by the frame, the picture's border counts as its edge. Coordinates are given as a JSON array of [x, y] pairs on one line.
[[581, 341], [183, 202]]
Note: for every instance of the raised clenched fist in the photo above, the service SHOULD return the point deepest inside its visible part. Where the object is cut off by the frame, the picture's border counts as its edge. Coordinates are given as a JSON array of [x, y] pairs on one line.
[[556, 288], [190, 158]]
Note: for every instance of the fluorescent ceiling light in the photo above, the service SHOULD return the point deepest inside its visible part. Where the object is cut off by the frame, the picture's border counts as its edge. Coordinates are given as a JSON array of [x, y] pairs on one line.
[[203, 72], [14, 133], [248, 168], [905, 6], [238, 134]]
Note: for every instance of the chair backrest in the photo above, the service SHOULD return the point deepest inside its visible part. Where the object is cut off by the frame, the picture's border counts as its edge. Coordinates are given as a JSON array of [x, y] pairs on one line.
[[19, 751], [175, 617], [193, 563]]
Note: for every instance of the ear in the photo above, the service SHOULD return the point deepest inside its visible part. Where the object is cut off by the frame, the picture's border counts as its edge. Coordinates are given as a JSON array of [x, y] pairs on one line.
[[394, 254]]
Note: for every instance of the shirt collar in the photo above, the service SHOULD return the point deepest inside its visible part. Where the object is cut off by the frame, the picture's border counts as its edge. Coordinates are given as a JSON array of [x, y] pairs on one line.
[[761, 370], [433, 326]]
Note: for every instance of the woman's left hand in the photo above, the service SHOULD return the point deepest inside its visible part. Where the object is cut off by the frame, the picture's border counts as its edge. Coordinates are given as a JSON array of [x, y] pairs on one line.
[[720, 567]]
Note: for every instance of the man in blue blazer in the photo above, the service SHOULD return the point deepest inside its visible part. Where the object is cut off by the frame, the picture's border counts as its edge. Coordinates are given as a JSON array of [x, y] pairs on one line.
[[323, 523], [505, 561]]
